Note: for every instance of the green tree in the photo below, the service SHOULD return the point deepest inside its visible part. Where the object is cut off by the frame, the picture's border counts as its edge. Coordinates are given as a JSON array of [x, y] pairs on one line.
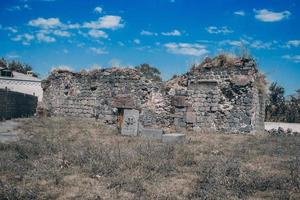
[[3, 63], [275, 109], [293, 108], [19, 67], [16, 66]]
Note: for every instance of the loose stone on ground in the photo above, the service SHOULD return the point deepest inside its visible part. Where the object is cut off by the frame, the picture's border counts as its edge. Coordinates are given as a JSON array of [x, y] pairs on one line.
[[173, 138]]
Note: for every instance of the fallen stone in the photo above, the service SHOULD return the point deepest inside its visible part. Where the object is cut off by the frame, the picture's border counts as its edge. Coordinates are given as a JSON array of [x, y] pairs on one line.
[[281, 132], [152, 134], [173, 138], [9, 131]]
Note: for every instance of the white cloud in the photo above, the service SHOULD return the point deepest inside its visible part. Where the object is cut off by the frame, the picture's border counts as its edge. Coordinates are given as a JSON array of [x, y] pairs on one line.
[[17, 38], [265, 15], [28, 37], [97, 34], [41, 37], [258, 44], [24, 38], [94, 66], [19, 8], [26, 6], [98, 51], [105, 22], [11, 29], [186, 49], [61, 33], [148, 33], [172, 33], [52, 23], [255, 44], [137, 41], [70, 26], [45, 23], [295, 58], [80, 45], [293, 43], [144, 48], [98, 10], [14, 8], [115, 62], [12, 55], [121, 44], [237, 43], [45, 31], [240, 13], [218, 30], [82, 33]]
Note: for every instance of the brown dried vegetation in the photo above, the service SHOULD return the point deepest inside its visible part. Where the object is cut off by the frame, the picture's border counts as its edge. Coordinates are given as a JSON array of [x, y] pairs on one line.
[[61, 158]]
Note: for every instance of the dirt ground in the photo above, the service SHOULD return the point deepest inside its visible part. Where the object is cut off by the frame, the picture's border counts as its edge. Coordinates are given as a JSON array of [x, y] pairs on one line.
[[69, 158]]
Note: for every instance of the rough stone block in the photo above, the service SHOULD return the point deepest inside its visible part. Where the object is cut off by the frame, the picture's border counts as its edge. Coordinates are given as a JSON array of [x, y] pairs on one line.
[[173, 138], [124, 101], [191, 117], [178, 101], [130, 122], [152, 134], [213, 108]]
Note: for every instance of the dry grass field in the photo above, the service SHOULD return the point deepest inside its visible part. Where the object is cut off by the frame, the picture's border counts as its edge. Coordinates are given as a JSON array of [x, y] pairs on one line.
[[64, 158]]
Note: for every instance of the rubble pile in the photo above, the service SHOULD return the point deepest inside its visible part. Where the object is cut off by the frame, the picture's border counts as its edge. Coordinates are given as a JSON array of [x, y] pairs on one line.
[[281, 132]]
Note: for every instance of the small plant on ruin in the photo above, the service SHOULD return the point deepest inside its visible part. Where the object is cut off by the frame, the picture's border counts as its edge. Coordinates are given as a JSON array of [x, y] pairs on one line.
[[149, 72]]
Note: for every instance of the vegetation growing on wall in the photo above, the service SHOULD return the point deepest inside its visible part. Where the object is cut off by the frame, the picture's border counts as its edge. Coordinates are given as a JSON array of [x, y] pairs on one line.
[[149, 72]]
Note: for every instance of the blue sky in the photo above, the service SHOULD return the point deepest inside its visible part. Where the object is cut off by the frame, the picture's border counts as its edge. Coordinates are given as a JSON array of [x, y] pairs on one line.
[[168, 34]]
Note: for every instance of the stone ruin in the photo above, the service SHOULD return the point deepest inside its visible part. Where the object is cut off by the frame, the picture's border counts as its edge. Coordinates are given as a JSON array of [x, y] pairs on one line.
[[223, 95]]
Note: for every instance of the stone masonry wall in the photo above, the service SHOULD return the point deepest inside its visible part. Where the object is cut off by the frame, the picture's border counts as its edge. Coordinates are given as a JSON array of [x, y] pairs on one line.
[[222, 95], [94, 95], [16, 104]]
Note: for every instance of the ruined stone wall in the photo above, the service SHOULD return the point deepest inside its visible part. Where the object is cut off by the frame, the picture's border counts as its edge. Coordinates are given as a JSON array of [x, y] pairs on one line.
[[222, 95], [94, 94], [16, 104]]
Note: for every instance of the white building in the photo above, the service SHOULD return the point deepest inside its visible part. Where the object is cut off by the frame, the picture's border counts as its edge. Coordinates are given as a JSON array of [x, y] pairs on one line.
[[19, 82]]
